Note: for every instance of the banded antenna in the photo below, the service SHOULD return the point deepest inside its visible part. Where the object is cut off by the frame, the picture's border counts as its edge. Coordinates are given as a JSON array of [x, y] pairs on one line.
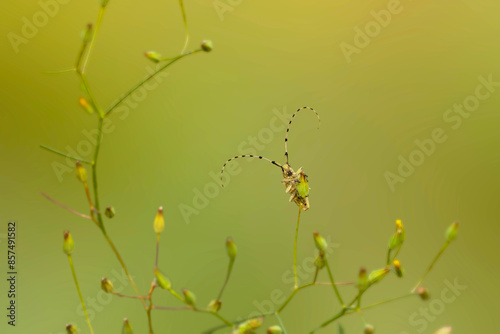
[[247, 156], [288, 129]]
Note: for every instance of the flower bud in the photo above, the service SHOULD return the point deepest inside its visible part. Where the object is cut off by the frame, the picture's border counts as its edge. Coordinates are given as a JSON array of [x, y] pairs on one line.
[[71, 329], [377, 275], [162, 281], [87, 34], [249, 326], [215, 305], [106, 285], [110, 212], [86, 105], [189, 297], [369, 329], [81, 173], [274, 330], [320, 242], [423, 293], [207, 45], [397, 267], [159, 223], [104, 3], [363, 279], [320, 261], [231, 249], [68, 244], [451, 232], [155, 57], [127, 329], [444, 330]]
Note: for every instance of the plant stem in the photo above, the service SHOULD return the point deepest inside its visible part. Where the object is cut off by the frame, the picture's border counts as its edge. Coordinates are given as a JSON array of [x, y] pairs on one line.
[[95, 184], [329, 321], [229, 270], [387, 301], [146, 79], [333, 283], [157, 250], [184, 18], [70, 259], [295, 249], [446, 244], [176, 295], [65, 155], [65, 207], [281, 323]]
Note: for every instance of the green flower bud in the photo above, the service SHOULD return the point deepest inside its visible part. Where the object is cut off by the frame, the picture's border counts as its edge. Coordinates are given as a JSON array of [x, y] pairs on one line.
[[274, 330], [215, 305], [104, 3], [451, 232], [68, 244], [159, 223], [377, 275], [231, 248], [369, 329], [320, 242], [162, 281], [87, 34], [110, 212], [249, 326], [398, 268], [189, 297], [81, 173], [320, 261], [71, 329], [106, 285], [423, 293], [155, 57], [444, 330], [207, 45], [363, 279], [127, 329]]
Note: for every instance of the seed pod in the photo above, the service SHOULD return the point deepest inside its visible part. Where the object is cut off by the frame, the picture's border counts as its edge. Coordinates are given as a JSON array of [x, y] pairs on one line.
[[207, 45], [215, 305], [106, 285], [423, 293], [155, 57], [231, 248], [320, 242], [398, 268], [159, 223], [71, 329], [68, 244], [189, 297], [81, 173], [162, 281], [127, 329], [110, 212], [451, 232], [377, 275], [274, 330]]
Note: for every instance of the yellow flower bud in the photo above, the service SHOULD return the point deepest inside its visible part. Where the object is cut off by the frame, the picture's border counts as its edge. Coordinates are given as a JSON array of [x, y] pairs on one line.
[[68, 244], [320, 242], [231, 249], [81, 173], [86, 105], [106, 285], [398, 268], [159, 223]]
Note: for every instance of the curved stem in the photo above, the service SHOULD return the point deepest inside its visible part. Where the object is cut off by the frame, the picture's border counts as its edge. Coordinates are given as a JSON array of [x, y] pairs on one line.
[[70, 259], [295, 249], [333, 283], [446, 244], [184, 18], [229, 270]]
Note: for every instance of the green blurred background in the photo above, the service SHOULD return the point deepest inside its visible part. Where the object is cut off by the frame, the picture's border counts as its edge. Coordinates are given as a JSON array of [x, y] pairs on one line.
[[269, 57]]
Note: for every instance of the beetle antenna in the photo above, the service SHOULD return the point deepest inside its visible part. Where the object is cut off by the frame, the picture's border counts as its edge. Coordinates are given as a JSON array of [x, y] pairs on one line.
[[247, 156], [288, 129]]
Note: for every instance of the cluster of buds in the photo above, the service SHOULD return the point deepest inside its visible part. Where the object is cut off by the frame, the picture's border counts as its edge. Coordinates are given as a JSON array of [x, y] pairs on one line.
[[249, 326]]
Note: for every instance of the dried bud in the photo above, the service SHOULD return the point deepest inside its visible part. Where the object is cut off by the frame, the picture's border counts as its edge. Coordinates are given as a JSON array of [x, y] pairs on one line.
[[86, 105], [153, 56], [363, 279], [397, 267], [162, 281], [320, 261], [81, 173], [274, 330], [215, 305], [231, 248], [87, 34], [423, 293], [377, 275], [320, 242], [369, 329], [110, 212], [127, 329], [207, 45], [68, 244], [189, 297], [159, 223], [106, 285], [444, 330], [71, 329], [451, 232]]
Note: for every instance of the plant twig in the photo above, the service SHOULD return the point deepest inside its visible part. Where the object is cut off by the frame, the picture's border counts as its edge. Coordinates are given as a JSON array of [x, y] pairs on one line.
[[295, 250], [65, 207], [441, 251], [70, 259], [50, 149]]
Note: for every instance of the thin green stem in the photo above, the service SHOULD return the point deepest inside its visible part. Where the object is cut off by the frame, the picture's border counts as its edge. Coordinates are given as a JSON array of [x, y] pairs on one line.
[[145, 80], [295, 249], [228, 275], [288, 300], [441, 251], [217, 315], [100, 17], [176, 295], [157, 250], [95, 184], [70, 259], [65, 207], [50, 149], [184, 18], [281, 323], [329, 321], [387, 301], [330, 275]]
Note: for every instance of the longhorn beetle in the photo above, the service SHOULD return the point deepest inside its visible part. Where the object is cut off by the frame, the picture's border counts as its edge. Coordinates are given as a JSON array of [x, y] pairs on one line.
[[295, 182]]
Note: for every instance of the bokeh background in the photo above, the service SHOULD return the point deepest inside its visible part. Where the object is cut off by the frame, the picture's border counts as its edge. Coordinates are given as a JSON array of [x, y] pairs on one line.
[[269, 57]]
